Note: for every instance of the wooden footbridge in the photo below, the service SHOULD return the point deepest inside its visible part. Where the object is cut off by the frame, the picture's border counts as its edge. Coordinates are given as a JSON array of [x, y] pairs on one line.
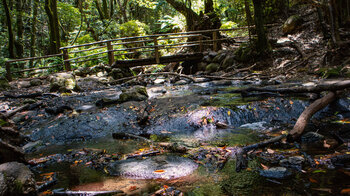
[[134, 51]]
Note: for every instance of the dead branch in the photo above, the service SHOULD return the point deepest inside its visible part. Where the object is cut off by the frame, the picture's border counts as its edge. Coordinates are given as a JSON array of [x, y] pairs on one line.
[[23, 108], [303, 119], [153, 74], [326, 86], [121, 135], [241, 155], [90, 193]]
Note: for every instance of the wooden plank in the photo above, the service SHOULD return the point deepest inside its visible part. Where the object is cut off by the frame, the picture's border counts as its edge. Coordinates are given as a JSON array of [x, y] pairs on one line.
[[215, 42], [67, 66], [33, 58], [110, 53], [156, 50], [95, 48], [163, 59]]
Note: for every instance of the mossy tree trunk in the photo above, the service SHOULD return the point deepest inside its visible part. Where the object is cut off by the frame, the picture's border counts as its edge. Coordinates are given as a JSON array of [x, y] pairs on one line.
[[11, 42], [51, 11], [262, 43], [33, 30]]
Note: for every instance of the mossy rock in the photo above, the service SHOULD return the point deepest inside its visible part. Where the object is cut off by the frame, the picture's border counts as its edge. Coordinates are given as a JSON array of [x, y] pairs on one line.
[[4, 84], [241, 183], [212, 67], [82, 71], [35, 82], [219, 58], [63, 83], [246, 52], [228, 61], [292, 24], [330, 72], [117, 73], [136, 93]]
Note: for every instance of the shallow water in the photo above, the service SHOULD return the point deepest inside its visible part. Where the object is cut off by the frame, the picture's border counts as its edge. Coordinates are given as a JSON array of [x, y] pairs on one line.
[[185, 115]]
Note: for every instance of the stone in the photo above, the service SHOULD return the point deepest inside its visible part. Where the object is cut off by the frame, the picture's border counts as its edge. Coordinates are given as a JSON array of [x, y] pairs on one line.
[[3, 185], [228, 61], [63, 82], [276, 172], [219, 58], [36, 82], [4, 84], [136, 93], [312, 137], [222, 82], [293, 162], [159, 81], [23, 84], [168, 167], [202, 66], [207, 59], [212, 67], [117, 73], [181, 82], [82, 71], [292, 24], [19, 179]]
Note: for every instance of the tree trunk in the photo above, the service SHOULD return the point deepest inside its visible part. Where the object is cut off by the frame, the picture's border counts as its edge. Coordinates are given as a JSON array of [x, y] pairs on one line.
[[33, 32], [99, 9], [262, 44], [111, 8], [11, 42], [51, 11], [105, 9], [248, 17], [122, 9], [19, 24]]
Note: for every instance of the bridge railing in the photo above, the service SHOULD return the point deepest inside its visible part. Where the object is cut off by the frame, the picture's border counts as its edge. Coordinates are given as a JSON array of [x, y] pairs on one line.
[[129, 47]]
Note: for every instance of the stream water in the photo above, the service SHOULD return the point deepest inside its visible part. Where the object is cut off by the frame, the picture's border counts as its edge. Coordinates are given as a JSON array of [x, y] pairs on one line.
[[78, 146]]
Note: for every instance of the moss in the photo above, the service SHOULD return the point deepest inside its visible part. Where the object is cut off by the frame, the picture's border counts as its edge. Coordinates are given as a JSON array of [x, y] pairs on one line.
[[17, 187], [246, 182], [240, 137], [3, 123], [246, 52], [329, 72]]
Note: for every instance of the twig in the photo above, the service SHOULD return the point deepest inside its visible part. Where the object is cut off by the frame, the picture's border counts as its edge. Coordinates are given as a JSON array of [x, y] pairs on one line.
[[85, 193], [153, 74]]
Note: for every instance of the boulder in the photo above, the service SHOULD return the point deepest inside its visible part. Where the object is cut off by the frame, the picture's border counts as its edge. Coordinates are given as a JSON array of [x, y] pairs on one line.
[[24, 84], [202, 66], [292, 24], [181, 82], [312, 137], [212, 67], [136, 93], [35, 82], [3, 185], [228, 61], [219, 58], [63, 82], [82, 71], [293, 162], [4, 84], [276, 172], [18, 178], [117, 73]]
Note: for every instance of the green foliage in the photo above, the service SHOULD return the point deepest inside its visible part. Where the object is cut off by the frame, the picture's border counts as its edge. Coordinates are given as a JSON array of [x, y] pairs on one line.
[[133, 28], [69, 16], [330, 72], [53, 61], [172, 24], [85, 39]]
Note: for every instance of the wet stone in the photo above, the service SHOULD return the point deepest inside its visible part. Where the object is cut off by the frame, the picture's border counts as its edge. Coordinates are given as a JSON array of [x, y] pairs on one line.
[[3, 185], [312, 137], [181, 82], [276, 172], [165, 167], [293, 162]]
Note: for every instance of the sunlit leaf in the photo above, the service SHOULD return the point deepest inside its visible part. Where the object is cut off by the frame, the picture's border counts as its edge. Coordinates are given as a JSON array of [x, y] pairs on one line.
[[313, 180], [264, 166], [319, 171], [345, 191], [159, 171], [229, 112]]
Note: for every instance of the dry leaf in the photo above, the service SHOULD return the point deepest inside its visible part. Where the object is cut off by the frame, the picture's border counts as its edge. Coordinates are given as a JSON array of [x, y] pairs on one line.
[[132, 188], [270, 151], [264, 166], [345, 191], [313, 180], [159, 171]]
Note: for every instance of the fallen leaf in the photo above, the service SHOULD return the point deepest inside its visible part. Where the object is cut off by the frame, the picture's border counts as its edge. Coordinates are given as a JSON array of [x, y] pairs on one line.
[[323, 189], [270, 151], [313, 180], [264, 166], [291, 102], [165, 187], [132, 188], [159, 171], [325, 144], [97, 117], [345, 191], [229, 112]]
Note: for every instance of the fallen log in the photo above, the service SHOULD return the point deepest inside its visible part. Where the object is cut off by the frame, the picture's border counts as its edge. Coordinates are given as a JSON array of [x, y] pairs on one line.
[[303, 119], [153, 74], [85, 193], [241, 154], [23, 108], [326, 86]]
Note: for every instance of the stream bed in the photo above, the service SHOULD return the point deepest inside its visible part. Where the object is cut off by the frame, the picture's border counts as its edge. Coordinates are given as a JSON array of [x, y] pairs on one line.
[[77, 147]]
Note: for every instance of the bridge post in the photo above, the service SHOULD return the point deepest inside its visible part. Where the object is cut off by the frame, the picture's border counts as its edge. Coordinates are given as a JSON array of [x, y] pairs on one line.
[[67, 66], [201, 43], [156, 50], [215, 42], [110, 53], [8, 71]]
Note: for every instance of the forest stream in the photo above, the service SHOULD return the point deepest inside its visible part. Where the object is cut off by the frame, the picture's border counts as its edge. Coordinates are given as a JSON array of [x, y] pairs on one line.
[[76, 149]]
